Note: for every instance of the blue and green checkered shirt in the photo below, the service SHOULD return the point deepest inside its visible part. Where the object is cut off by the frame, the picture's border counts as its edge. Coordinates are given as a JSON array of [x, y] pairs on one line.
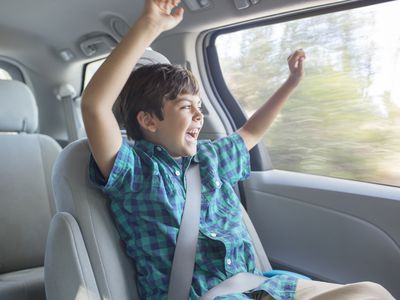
[[146, 188]]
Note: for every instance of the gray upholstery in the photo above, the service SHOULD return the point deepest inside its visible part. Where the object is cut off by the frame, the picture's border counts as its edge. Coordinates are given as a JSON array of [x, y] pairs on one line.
[[262, 261], [22, 285], [67, 239], [26, 196], [75, 195], [19, 111]]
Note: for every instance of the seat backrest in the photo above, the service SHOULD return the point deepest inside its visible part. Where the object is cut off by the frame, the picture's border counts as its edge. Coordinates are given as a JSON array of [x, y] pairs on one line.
[[74, 194], [26, 196]]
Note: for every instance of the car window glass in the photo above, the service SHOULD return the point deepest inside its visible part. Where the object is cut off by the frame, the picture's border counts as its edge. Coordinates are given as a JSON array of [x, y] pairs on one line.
[[344, 119], [4, 75], [90, 69]]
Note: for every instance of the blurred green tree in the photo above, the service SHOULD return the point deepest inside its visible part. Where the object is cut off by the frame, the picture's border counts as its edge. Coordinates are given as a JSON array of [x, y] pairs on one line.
[[333, 125]]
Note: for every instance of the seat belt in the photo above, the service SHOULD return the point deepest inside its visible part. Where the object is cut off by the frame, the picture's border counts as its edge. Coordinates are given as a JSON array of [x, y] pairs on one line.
[[67, 95], [185, 251], [184, 256], [239, 283]]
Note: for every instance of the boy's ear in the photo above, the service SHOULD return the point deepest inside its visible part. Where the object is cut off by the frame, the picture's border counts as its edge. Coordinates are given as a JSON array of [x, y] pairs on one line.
[[147, 121]]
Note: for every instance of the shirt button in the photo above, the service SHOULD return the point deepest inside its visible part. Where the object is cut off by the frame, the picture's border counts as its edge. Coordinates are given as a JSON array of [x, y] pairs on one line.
[[177, 173], [218, 183], [158, 148], [213, 234], [228, 262]]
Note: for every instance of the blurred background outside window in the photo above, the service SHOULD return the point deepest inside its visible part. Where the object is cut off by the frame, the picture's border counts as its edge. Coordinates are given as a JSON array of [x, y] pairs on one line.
[[344, 119]]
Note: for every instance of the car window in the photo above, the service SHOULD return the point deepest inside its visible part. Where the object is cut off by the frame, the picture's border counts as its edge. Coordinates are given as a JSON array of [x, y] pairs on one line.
[[4, 75], [90, 69], [344, 119], [10, 71]]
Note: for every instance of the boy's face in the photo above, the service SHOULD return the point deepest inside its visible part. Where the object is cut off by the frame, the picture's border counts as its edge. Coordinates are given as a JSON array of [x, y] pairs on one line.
[[179, 130]]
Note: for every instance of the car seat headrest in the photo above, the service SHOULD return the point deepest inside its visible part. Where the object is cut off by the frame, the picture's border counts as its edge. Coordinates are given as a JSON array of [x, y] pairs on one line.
[[19, 112], [151, 57]]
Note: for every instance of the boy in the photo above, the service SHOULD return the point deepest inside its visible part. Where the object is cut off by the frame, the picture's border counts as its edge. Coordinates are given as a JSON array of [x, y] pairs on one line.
[[161, 109]]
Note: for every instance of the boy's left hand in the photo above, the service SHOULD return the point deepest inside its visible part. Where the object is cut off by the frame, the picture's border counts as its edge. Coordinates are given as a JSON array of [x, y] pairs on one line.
[[295, 62]]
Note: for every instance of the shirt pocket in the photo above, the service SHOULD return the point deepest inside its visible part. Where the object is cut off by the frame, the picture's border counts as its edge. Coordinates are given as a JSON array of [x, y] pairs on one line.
[[211, 187], [219, 198]]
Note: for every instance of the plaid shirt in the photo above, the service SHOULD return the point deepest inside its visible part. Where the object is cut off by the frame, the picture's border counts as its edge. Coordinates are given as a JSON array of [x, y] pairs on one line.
[[146, 189]]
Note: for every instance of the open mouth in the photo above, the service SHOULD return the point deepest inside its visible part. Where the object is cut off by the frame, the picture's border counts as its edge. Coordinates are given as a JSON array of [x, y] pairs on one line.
[[192, 134]]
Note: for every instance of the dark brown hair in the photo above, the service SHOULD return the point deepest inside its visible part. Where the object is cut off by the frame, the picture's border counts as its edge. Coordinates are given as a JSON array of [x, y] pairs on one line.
[[147, 89]]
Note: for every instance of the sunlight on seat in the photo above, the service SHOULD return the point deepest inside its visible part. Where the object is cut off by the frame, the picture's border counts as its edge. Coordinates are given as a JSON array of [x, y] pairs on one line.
[[84, 294]]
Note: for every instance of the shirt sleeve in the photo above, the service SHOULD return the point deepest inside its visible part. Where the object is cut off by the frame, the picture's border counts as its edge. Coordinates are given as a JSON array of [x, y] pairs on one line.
[[233, 158], [121, 173]]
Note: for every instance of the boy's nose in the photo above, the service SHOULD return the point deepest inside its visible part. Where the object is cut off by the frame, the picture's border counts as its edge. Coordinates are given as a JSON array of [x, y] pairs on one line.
[[198, 115]]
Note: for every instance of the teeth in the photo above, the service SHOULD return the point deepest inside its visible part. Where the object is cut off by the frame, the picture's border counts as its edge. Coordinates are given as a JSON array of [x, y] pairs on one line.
[[193, 131]]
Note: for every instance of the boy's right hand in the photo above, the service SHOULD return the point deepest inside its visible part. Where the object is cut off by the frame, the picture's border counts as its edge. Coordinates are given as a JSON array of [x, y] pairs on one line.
[[158, 13], [101, 126]]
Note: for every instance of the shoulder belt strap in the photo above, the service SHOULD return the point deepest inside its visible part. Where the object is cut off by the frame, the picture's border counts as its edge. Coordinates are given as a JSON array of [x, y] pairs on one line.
[[185, 251]]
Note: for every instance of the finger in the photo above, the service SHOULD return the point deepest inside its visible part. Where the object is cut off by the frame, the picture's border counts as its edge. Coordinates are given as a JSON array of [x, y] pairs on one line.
[[178, 13], [164, 5], [293, 60], [170, 5], [300, 64], [294, 53], [299, 53]]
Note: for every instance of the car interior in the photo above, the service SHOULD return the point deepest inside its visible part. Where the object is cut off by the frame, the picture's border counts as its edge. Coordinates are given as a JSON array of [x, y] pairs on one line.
[[328, 211]]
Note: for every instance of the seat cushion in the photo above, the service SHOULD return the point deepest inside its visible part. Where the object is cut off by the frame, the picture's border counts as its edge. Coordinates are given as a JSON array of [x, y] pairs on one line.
[[66, 251], [23, 285]]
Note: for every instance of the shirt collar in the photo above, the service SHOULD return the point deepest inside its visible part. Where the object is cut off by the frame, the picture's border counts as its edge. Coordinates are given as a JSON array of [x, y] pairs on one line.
[[149, 148], [145, 146], [195, 158]]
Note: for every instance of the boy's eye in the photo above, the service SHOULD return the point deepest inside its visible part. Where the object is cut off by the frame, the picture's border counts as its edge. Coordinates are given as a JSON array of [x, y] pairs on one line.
[[199, 108]]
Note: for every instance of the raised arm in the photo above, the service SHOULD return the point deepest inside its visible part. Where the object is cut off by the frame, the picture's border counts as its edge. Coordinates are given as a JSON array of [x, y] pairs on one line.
[[254, 129], [99, 96]]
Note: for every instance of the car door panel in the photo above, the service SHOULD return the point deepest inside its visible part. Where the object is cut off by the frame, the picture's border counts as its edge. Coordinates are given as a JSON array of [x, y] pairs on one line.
[[331, 229]]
